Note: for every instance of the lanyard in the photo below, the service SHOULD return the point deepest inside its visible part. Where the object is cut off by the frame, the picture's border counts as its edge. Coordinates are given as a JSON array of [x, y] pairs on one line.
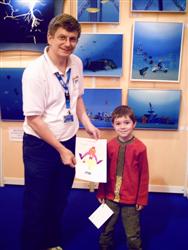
[[65, 86]]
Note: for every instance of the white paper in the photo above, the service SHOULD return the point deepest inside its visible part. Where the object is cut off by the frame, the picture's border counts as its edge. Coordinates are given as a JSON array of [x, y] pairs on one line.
[[100, 215], [16, 134], [91, 159]]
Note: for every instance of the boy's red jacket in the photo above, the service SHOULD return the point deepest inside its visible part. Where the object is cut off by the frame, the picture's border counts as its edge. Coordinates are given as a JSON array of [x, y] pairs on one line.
[[134, 188]]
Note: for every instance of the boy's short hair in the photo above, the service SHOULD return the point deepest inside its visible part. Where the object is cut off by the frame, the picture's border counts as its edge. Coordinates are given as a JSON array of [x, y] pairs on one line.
[[65, 21], [123, 110]]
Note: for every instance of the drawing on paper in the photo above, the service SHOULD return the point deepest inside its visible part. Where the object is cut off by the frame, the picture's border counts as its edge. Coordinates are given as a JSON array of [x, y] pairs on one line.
[[91, 159]]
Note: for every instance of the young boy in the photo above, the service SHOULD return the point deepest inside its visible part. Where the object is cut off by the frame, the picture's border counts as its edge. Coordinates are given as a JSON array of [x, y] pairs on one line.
[[126, 190]]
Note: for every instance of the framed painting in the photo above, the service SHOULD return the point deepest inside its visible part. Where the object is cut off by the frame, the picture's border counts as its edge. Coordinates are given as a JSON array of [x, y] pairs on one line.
[[98, 11], [25, 23], [155, 109], [156, 51], [99, 105], [101, 54], [158, 6], [11, 94]]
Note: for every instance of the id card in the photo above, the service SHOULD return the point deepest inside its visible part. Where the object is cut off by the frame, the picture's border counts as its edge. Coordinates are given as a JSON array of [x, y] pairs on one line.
[[68, 118]]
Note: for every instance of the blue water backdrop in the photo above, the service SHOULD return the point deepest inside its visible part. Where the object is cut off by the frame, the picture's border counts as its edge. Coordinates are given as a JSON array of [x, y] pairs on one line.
[[105, 11], [100, 103], [101, 54], [157, 50], [159, 5], [11, 94], [155, 109]]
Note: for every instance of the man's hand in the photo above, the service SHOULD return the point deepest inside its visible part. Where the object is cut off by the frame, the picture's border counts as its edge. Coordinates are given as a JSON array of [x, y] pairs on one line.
[[93, 131], [84, 119], [68, 157]]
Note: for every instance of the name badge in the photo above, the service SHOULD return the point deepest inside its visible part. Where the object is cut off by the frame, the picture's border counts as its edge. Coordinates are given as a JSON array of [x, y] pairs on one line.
[[68, 118]]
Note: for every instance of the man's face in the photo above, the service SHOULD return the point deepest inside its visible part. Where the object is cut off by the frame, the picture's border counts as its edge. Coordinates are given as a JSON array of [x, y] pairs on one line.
[[63, 43]]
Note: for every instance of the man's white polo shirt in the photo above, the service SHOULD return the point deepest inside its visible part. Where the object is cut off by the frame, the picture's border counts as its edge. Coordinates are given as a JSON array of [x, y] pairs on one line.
[[44, 95]]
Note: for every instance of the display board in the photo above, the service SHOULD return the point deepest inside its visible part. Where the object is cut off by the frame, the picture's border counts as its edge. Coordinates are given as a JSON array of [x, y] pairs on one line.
[[158, 6], [156, 52], [11, 94], [97, 11], [26, 23], [100, 104], [155, 109], [104, 56]]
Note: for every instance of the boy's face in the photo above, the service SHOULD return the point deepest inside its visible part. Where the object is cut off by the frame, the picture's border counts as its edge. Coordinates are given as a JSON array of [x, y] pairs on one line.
[[124, 127]]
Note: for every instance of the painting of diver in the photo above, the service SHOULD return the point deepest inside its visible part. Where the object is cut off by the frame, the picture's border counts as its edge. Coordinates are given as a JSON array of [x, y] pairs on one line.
[[100, 103], [158, 6], [11, 94], [98, 11], [25, 23], [155, 109], [101, 54], [156, 51]]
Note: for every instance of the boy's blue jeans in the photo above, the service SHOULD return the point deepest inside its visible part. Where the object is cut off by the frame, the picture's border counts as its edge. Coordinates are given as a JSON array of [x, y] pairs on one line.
[[131, 224], [47, 185]]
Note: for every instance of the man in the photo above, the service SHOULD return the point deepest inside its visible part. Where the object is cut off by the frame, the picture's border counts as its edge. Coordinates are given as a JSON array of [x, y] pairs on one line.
[[53, 106]]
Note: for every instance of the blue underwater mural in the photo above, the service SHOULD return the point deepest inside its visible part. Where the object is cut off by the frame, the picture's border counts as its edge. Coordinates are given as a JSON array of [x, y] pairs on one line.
[[98, 11], [157, 50], [101, 54], [159, 5], [155, 109], [100, 103], [11, 94]]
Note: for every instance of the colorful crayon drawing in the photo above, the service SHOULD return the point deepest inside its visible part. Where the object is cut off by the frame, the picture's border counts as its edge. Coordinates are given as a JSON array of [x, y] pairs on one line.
[[91, 159]]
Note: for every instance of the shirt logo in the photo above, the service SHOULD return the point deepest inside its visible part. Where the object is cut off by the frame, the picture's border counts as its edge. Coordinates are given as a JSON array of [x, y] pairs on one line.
[[75, 80]]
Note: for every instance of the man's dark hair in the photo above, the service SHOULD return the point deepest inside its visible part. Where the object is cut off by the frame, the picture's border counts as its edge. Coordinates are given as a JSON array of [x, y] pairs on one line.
[[65, 21], [123, 110]]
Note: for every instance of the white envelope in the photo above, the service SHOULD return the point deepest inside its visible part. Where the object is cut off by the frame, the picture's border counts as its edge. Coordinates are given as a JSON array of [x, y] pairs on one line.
[[100, 215]]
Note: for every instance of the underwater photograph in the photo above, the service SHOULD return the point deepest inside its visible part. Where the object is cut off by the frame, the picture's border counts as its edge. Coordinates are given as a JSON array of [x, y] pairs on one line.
[[99, 105], [25, 23], [98, 11], [101, 54], [155, 109], [11, 94], [158, 5], [156, 51]]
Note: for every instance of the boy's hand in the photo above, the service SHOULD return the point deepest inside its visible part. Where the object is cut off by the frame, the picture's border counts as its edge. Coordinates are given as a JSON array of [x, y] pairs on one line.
[[101, 200], [139, 207]]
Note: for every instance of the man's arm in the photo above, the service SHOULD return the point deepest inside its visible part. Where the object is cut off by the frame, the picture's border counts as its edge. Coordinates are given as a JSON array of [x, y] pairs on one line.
[[41, 128], [84, 119]]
